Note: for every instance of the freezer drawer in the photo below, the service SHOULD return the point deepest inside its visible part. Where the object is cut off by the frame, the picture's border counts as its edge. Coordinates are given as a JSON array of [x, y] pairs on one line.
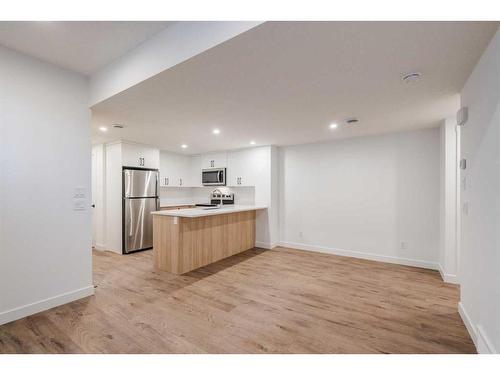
[[138, 223], [139, 183]]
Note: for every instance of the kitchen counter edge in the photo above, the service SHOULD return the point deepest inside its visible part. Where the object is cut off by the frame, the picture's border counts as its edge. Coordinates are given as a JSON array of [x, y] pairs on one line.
[[198, 212]]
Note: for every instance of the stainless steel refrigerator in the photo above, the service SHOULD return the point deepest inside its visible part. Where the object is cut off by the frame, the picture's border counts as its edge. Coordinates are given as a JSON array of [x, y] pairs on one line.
[[140, 198]]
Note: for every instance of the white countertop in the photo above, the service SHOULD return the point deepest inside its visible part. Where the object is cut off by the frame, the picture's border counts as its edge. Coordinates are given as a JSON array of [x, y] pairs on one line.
[[166, 205], [200, 211]]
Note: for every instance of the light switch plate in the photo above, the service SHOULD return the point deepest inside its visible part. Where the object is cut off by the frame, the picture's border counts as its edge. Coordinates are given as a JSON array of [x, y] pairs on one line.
[[79, 192]]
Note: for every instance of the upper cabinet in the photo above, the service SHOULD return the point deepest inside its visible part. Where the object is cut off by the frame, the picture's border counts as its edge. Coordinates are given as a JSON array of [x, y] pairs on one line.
[[141, 156], [178, 170], [195, 171], [214, 160], [247, 167]]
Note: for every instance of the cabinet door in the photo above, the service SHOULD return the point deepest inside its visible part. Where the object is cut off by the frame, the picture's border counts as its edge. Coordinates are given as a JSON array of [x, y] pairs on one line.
[[169, 169], [183, 170], [235, 168], [214, 160], [140, 156], [242, 167], [245, 166], [194, 179], [151, 158]]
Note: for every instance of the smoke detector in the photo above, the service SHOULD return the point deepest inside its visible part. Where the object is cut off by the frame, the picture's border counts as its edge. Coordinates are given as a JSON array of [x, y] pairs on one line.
[[411, 77]]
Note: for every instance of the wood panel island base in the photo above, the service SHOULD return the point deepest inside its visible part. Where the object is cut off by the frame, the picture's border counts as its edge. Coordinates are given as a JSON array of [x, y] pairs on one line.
[[186, 239]]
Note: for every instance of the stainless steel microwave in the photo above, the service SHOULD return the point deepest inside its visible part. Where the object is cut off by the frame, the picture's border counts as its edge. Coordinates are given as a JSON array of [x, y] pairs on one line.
[[213, 177]]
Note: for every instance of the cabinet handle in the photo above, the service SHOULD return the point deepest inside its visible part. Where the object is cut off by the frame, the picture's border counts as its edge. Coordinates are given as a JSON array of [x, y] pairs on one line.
[[166, 181], [180, 181]]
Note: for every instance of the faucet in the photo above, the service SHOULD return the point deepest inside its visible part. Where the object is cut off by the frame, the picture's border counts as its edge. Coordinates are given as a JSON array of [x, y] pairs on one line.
[[215, 191]]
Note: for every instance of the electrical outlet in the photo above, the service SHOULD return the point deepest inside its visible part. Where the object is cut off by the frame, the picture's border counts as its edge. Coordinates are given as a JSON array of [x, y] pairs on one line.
[[404, 245]]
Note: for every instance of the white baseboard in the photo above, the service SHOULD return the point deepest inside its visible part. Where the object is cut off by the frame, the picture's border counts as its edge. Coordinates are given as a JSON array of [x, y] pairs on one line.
[[484, 345], [265, 245], [99, 246], [447, 277], [359, 254], [36, 307], [468, 323], [478, 335]]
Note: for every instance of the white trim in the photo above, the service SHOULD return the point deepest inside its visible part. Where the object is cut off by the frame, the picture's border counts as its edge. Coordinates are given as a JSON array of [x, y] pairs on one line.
[[359, 254], [484, 345], [36, 307], [468, 323], [447, 277], [266, 245], [99, 246]]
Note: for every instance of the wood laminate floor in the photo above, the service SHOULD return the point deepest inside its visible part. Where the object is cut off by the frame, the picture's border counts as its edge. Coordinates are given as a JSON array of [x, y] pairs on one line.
[[279, 301]]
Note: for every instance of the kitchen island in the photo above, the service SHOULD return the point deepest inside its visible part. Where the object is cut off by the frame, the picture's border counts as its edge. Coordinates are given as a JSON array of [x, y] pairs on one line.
[[186, 239]]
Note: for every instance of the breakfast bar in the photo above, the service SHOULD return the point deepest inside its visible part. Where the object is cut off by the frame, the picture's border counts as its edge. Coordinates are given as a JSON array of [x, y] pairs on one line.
[[190, 238]]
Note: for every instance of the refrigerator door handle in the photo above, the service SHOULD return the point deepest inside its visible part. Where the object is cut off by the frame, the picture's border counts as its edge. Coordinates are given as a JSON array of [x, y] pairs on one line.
[[130, 232], [127, 185]]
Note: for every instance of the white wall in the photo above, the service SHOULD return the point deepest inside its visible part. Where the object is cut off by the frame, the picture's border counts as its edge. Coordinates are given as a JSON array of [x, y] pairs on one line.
[[480, 196], [363, 197], [45, 246], [448, 266]]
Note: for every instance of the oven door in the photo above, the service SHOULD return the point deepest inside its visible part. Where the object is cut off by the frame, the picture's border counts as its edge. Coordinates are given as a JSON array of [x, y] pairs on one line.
[[214, 177]]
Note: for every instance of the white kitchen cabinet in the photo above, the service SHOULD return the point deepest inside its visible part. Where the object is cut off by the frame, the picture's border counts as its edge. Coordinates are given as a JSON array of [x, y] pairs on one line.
[[175, 170], [168, 169], [135, 155], [214, 160], [194, 179], [245, 166]]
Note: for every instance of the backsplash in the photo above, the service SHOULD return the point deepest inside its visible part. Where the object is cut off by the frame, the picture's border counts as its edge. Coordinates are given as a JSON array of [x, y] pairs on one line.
[[178, 195]]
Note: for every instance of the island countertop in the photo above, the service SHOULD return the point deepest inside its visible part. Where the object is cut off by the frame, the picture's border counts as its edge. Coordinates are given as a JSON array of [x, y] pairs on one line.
[[203, 211]]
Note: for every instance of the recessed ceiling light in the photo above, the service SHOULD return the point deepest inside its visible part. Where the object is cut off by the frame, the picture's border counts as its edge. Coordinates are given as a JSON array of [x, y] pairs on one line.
[[411, 77], [184, 146], [103, 129], [333, 126], [216, 131]]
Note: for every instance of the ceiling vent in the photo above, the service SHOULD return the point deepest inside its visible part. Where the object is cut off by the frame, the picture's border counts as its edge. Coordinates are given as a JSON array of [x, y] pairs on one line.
[[351, 121], [411, 78]]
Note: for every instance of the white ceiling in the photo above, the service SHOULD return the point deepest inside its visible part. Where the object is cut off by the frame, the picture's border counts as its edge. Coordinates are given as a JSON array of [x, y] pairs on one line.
[[83, 47], [284, 82]]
